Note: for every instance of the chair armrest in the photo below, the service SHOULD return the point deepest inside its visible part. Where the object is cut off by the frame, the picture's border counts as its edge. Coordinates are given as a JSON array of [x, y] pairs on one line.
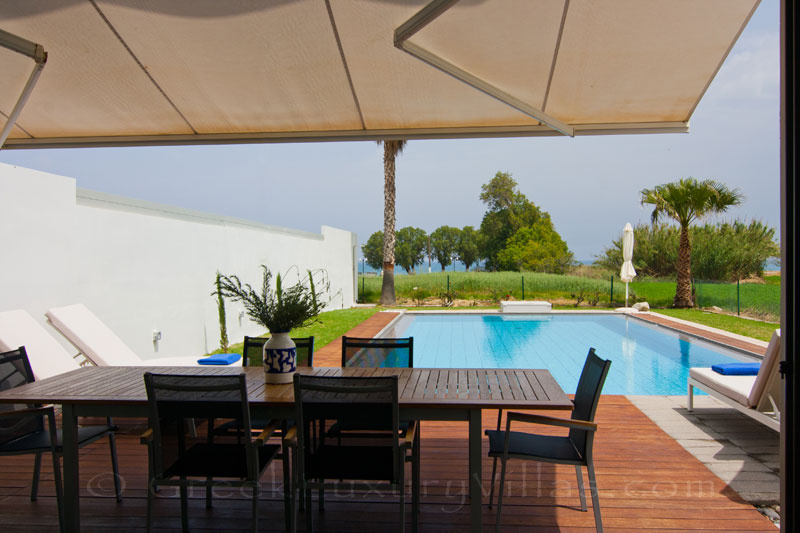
[[146, 437], [264, 436], [549, 421], [290, 439], [411, 433]]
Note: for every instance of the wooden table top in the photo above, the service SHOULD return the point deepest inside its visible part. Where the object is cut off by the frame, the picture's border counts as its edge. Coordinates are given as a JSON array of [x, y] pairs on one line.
[[418, 387]]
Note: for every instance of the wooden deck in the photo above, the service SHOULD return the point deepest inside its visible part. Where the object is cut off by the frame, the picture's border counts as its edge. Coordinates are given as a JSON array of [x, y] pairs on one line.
[[647, 482]]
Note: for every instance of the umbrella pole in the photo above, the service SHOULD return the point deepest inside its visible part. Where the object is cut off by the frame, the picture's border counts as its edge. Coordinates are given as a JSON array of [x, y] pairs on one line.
[[626, 294]]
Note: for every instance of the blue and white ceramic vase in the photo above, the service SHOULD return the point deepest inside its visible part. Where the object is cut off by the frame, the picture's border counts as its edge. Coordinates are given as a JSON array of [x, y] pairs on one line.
[[280, 356]]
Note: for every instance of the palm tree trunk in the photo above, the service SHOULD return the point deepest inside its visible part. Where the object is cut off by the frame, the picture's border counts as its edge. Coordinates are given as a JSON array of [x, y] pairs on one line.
[[683, 293], [387, 286]]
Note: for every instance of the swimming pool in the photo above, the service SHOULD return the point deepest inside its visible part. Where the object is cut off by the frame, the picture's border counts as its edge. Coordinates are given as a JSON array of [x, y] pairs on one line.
[[646, 359]]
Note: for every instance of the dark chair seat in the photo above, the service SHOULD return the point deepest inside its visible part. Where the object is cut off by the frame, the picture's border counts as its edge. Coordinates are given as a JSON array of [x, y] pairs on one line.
[[219, 460], [351, 462], [40, 441], [535, 447]]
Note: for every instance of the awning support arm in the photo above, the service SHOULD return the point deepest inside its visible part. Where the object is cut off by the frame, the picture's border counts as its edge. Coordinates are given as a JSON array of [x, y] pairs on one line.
[[39, 56], [427, 15]]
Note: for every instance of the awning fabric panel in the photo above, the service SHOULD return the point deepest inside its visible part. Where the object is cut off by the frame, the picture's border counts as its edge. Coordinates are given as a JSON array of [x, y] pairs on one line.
[[186, 71]]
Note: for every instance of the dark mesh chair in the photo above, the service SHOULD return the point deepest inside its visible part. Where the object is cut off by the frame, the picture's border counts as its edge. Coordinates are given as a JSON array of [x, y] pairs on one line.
[[23, 429], [179, 458], [573, 449], [373, 353], [376, 462], [253, 350]]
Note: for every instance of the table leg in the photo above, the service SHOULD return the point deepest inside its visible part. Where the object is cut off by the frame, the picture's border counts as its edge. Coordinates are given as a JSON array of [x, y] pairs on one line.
[[72, 512], [475, 483]]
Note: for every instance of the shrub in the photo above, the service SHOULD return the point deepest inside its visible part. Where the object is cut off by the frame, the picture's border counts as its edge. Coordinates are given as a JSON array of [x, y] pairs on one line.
[[725, 252]]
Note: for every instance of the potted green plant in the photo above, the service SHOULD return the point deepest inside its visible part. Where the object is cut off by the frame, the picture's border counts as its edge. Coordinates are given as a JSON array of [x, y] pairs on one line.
[[279, 310]]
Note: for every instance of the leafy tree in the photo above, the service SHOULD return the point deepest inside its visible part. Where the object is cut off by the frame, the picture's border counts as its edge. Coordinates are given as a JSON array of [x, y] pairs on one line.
[[508, 211], [390, 151], [444, 244], [410, 250], [537, 248], [467, 248], [685, 201], [373, 250]]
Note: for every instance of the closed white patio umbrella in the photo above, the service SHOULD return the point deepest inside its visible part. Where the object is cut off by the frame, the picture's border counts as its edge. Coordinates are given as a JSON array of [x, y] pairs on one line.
[[627, 272]]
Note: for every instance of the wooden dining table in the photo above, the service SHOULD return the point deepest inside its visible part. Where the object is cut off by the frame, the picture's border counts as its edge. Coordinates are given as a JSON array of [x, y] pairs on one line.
[[448, 394]]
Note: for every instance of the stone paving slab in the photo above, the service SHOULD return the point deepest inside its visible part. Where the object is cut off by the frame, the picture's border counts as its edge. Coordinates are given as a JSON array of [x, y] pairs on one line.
[[738, 450]]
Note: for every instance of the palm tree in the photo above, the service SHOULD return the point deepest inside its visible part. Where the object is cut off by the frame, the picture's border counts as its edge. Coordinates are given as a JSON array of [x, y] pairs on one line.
[[685, 201], [390, 151]]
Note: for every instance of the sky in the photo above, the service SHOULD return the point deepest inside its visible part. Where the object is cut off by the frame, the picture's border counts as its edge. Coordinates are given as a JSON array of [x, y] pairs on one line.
[[589, 185]]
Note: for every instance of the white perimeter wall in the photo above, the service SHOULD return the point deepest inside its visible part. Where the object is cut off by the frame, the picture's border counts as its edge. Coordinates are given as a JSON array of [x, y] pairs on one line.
[[142, 267]]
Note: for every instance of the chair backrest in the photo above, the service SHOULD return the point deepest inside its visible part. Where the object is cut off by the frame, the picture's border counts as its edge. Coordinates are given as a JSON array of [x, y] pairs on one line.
[[174, 398], [367, 400], [393, 353], [15, 370], [253, 346], [768, 383], [46, 356], [91, 336], [587, 396]]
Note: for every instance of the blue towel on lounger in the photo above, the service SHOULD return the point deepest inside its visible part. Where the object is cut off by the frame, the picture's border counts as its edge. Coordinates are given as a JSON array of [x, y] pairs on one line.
[[737, 369], [220, 359]]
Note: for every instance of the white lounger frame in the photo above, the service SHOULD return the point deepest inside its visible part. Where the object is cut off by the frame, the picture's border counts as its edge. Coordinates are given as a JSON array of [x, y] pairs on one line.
[[770, 419]]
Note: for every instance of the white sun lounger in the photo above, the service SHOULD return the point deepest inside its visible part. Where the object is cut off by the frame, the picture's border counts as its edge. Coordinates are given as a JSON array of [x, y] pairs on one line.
[[99, 344], [759, 396], [46, 356]]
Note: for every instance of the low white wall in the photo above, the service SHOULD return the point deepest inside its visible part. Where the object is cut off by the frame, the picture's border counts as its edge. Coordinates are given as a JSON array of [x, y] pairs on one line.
[[142, 266]]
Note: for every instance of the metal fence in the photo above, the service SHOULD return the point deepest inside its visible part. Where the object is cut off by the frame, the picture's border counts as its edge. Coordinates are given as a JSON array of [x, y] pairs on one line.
[[750, 299]]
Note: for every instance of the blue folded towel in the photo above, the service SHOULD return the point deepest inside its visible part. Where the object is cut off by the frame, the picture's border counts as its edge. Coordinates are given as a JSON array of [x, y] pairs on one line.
[[737, 369], [220, 359]]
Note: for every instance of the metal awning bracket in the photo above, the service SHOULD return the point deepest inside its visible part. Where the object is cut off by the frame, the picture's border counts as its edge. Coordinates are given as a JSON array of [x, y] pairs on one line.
[[39, 56], [427, 15]]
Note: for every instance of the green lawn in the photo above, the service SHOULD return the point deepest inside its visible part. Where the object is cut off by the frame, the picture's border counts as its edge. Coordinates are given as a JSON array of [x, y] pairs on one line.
[[331, 325], [742, 326]]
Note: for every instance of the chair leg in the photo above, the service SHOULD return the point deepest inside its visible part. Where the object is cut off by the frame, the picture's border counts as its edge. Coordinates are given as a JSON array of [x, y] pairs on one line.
[[254, 527], [59, 490], [690, 399], [595, 498], [415, 468], [112, 445], [288, 489], [581, 491], [151, 487], [503, 462], [491, 490], [309, 511], [184, 507], [37, 467], [402, 481]]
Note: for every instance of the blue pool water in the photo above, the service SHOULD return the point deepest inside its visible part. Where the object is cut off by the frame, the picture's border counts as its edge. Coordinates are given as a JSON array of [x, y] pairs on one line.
[[646, 359]]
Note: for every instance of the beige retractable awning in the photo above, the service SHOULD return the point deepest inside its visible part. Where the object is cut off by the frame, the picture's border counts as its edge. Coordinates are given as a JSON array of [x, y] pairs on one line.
[[132, 72]]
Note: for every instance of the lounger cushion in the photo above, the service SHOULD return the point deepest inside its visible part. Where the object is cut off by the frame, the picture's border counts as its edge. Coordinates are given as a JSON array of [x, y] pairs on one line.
[[47, 357], [219, 359], [737, 369], [736, 388], [771, 357], [92, 337]]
